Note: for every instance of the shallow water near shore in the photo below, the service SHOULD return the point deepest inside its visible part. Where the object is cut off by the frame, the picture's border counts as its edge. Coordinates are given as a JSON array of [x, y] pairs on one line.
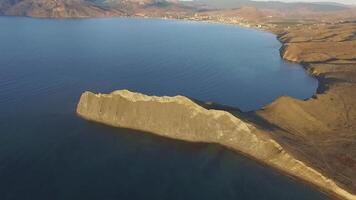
[[47, 152]]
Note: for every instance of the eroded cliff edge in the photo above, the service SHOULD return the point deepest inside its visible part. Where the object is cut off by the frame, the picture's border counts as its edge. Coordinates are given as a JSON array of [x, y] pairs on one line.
[[180, 118]]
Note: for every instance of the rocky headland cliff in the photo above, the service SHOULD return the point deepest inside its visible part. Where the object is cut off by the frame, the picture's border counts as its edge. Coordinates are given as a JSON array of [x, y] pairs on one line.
[[180, 118]]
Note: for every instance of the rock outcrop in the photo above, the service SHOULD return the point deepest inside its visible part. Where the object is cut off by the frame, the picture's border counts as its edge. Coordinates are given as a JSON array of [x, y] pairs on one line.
[[180, 118]]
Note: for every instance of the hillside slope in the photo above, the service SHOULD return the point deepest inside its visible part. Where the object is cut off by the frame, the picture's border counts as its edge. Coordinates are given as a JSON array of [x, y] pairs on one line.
[[80, 8]]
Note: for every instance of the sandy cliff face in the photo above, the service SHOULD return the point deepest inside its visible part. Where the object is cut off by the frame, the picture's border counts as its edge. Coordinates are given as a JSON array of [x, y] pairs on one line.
[[175, 117], [180, 118]]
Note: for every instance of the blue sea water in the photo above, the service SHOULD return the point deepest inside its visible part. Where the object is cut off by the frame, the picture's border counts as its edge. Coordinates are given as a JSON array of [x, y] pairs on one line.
[[47, 152]]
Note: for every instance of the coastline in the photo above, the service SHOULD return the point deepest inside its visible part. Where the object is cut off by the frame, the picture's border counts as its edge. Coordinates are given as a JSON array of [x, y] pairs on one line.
[[183, 119], [305, 65], [326, 86], [322, 85]]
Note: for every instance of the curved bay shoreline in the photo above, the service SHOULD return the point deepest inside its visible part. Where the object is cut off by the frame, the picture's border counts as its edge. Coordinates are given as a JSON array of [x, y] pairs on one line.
[[317, 131], [302, 127]]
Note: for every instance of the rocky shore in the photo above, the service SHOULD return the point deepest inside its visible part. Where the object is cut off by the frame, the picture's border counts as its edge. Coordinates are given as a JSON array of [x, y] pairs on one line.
[[181, 118]]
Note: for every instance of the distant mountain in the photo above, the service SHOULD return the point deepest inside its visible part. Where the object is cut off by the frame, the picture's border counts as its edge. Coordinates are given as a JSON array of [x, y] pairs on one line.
[[54, 8], [77, 8], [274, 5], [99, 8], [332, 3]]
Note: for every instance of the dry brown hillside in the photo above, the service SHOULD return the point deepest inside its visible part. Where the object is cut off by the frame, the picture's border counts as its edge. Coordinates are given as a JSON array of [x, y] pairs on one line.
[[321, 130]]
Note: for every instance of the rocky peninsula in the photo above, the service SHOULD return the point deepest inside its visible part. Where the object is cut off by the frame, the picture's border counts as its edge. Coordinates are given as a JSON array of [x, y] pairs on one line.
[[312, 140], [180, 118]]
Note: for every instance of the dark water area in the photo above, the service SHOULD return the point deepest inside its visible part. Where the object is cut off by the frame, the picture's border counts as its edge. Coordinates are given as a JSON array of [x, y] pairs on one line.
[[47, 152]]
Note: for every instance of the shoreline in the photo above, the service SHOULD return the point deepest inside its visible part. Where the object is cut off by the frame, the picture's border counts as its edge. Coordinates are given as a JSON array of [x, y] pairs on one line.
[[320, 90]]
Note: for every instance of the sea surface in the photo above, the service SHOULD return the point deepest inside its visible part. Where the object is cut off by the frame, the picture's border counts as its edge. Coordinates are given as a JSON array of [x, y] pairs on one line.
[[47, 152]]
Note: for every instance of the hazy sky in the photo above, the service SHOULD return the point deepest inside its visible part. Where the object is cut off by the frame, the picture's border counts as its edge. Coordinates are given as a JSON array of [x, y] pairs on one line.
[[337, 1]]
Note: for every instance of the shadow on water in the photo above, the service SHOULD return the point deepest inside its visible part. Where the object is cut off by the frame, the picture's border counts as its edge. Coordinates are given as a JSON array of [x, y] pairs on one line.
[[84, 160]]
